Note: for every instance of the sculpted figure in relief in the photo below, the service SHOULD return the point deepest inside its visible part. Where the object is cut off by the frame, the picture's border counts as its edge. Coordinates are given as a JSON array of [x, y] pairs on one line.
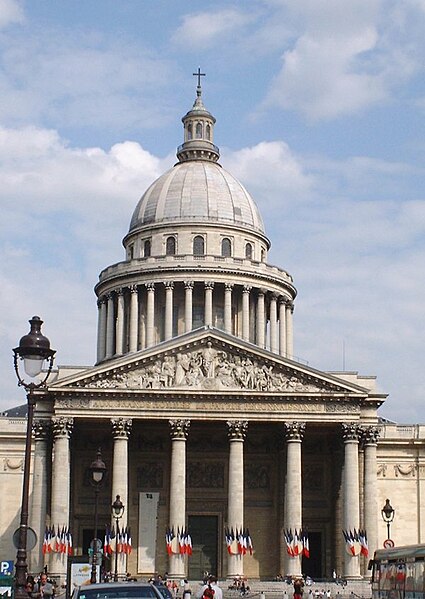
[[210, 368]]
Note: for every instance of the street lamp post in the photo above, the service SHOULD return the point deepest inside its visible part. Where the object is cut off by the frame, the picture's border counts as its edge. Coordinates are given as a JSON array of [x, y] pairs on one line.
[[97, 477], [388, 513], [33, 349], [117, 514]]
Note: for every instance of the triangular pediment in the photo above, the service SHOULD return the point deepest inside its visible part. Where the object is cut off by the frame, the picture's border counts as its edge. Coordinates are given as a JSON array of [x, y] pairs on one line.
[[207, 360]]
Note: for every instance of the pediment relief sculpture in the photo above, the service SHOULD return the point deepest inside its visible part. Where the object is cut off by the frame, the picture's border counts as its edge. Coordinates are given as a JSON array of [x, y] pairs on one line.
[[208, 368]]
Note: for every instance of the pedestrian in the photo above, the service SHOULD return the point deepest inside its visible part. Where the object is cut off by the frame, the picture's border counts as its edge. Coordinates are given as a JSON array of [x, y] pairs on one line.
[[210, 590], [298, 588], [43, 588], [187, 591]]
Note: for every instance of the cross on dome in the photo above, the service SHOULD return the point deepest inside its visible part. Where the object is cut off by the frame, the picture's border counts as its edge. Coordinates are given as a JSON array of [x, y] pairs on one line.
[[199, 75]]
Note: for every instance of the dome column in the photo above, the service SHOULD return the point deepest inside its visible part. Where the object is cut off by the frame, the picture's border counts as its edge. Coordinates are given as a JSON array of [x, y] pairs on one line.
[[188, 303], [282, 327], [119, 336], [110, 327], [150, 313], [169, 287], [228, 307], [370, 436], [209, 286], [245, 311], [134, 313], [260, 318], [235, 517], [273, 323], [289, 330], [101, 329], [351, 509]]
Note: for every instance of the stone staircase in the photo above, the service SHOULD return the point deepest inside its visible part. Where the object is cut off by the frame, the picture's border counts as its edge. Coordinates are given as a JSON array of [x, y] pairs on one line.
[[281, 590]]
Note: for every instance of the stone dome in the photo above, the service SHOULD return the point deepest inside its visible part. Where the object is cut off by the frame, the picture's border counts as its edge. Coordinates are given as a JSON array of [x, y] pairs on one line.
[[197, 191]]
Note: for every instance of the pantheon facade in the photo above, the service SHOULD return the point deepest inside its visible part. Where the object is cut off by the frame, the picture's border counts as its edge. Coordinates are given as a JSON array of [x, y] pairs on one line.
[[205, 418]]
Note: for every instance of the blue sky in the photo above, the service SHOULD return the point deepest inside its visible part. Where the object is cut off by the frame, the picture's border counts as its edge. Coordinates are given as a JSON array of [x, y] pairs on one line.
[[320, 113]]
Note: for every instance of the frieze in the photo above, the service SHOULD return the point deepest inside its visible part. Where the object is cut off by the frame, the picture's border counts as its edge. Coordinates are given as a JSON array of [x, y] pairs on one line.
[[9, 464], [405, 470], [150, 475], [205, 475], [382, 470], [257, 476], [209, 368]]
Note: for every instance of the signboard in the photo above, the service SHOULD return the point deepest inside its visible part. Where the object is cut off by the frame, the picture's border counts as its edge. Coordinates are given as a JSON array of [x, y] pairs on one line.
[[6, 568], [81, 574], [389, 544]]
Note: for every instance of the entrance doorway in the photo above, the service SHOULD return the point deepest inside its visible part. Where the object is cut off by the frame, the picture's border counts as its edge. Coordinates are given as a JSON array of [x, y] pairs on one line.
[[312, 566], [204, 533]]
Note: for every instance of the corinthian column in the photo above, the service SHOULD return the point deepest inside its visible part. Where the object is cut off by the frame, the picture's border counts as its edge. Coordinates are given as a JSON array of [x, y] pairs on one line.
[[236, 432], [134, 319], [188, 296], [177, 517], [41, 429], [245, 311], [294, 433], [273, 323], [228, 307], [370, 436], [61, 478], [351, 513], [289, 330], [121, 429], [260, 318], [150, 312], [110, 327], [209, 286], [101, 329], [282, 327], [119, 336], [169, 286]]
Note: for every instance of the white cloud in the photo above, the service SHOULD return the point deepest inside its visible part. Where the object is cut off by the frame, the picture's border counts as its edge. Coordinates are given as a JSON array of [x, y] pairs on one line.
[[11, 12], [203, 29]]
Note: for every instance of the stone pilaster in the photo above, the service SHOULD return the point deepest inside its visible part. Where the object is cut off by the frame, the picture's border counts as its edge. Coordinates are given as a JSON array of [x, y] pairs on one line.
[[121, 429], [370, 436], [101, 329], [228, 288], [150, 313], [169, 287], [246, 290], [351, 505], [188, 305], [235, 517], [209, 286], [294, 433], [119, 335], [41, 432], [177, 517], [134, 319], [61, 480]]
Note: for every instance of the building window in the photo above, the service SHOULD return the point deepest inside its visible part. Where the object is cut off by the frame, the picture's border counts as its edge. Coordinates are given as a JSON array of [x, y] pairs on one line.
[[189, 131], [198, 246], [147, 248], [131, 252], [198, 130], [226, 247], [263, 255], [208, 132], [170, 247], [248, 251]]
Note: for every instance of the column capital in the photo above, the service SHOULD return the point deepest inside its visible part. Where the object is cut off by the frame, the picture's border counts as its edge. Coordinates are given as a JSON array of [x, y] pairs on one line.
[[101, 301], [370, 435], [121, 427], [237, 429], [351, 432], [133, 288], [120, 292], [262, 291], [290, 306], [282, 300], [246, 288], [62, 426], [294, 431], [41, 429], [228, 286], [209, 284], [169, 285], [109, 296], [150, 286], [274, 296], [188, 285], [179, 429]]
